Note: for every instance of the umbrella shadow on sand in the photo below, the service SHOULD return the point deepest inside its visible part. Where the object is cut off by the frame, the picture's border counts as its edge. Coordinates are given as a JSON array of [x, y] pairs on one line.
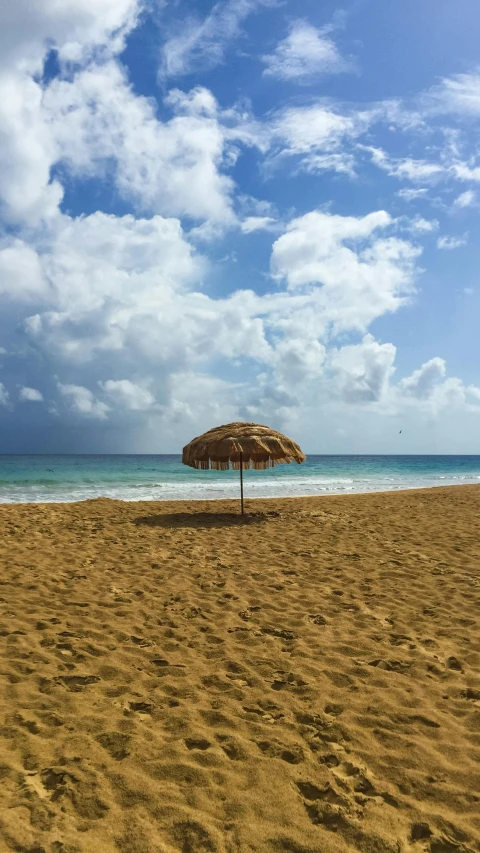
[[204, 519]]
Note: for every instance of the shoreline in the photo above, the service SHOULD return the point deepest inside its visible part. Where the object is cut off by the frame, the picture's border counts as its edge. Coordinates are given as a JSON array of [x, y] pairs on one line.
[[248, 498]]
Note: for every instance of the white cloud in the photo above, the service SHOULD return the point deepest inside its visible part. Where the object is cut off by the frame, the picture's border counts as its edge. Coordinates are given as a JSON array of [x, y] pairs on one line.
[[109, 275], [27, 152], [198, 101], [83, 401], [202, 44], [452, 242], [457, 94], [21, 274], [258, 223], [422, 381], [4, 395], [405, 167], [128, 395], [124, 299], [466, 171], [30, 394], [170, 167], [197, 401], [466, 199], [412, 194], [73, 26], [125, 305], [298, 360], [306, 52], [361, 276], [362, 371], [423, 226], [318, 135], [94, 125], [430, 388]]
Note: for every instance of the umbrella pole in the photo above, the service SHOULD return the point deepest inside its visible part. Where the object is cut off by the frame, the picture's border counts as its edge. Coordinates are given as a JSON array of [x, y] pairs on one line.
[[241, 482]]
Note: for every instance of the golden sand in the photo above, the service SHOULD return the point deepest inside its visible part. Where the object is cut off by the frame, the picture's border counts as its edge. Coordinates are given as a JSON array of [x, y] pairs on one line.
[[172, 679]]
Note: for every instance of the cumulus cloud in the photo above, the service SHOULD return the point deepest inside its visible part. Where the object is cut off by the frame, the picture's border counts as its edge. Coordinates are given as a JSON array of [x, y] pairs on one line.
[[172, 167], [297, 361], [4, 395], [31, 395], [466, 199], [362, 371], [305, 53], [406, 167], [202, 44], [110, 276], [423, 226], [128, 395], [458, 94], [27, 153], [92, 124], [73, 27], [21, 274], [466, 171], [357, 284], [452, 242], [124, 311], [258, 223], [423, 381], [124, 292], [408, 194], [318, 135], [82, 400]]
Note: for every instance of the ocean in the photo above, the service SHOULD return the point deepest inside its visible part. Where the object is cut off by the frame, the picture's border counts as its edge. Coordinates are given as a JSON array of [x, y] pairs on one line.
[[26, 479]]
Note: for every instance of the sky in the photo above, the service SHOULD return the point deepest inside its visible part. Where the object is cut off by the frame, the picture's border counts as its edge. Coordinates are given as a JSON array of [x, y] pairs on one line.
[[249, 210]]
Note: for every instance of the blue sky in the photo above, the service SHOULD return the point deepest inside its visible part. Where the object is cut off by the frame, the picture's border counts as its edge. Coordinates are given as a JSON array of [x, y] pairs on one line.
[[249, 209]]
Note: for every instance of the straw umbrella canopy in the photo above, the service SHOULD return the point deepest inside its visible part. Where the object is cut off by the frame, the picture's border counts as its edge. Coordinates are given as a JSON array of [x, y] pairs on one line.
[[241, 446]]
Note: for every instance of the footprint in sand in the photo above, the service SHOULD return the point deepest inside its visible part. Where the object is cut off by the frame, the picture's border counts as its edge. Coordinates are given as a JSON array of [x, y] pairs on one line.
[[231, 748], [330, 759], [162, 663], [313, 792], [454, 663], [317, 619], [142, 708], [282, 634], [362, 786], [76, 683], [116, 744], [49, 783], [470, 693], [274, 749], [390, 665], [324, 806], [30, 725], [402, 640], [140, 641], [420, 832], [283, 680], [333, 709], [197, 743]]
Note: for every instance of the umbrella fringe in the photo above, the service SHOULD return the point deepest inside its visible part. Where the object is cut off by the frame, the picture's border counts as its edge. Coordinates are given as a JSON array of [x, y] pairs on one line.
[[205, 465], [259, 446]]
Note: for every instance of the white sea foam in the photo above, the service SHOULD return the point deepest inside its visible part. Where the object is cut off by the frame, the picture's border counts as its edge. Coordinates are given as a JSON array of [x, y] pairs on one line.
[[216, 489]]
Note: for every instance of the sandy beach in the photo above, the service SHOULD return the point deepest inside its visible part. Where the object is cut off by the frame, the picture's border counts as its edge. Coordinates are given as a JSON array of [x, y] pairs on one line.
[[175, 679]]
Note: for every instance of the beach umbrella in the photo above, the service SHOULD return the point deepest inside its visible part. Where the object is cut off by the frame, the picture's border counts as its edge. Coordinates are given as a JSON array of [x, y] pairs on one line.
[[241, 446]]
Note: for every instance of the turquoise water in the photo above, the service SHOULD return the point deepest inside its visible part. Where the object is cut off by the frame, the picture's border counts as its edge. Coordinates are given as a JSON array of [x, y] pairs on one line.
[[136, 478]]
